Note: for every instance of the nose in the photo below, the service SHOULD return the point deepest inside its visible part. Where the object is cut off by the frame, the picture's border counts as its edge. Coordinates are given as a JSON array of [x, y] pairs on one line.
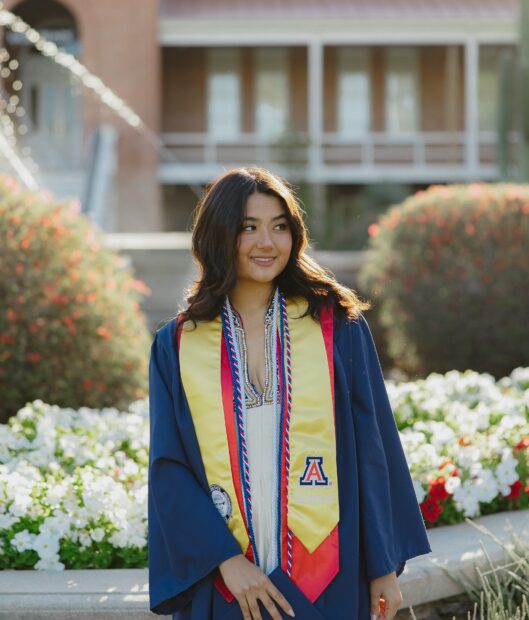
[[264, 239]]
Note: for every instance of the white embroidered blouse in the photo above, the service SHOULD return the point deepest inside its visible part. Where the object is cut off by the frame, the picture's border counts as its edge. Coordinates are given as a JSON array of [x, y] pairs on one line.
[[261, 448]]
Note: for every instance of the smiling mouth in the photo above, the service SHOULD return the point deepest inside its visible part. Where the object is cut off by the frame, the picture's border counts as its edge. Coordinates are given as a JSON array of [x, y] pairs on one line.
[[262, 260]]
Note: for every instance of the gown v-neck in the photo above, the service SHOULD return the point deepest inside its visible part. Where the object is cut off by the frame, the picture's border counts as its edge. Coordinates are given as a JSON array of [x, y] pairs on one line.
[[260, 442]]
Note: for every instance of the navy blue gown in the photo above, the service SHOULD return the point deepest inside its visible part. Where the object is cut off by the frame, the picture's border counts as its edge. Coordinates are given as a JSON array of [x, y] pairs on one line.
[[380, 526]]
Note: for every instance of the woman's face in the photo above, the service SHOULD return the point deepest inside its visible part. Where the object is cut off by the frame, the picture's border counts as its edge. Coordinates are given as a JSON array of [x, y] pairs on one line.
[[265, 240]]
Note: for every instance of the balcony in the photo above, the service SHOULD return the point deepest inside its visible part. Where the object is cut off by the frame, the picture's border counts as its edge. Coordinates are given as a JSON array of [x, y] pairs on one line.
[[422, 157]]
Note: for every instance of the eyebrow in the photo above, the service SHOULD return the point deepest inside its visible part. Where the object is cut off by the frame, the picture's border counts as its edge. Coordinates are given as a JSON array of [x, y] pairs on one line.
[[256, 219]]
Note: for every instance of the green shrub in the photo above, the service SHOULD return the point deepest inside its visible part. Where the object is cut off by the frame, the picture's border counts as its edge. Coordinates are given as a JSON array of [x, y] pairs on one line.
[[448, 270], [71, 329]]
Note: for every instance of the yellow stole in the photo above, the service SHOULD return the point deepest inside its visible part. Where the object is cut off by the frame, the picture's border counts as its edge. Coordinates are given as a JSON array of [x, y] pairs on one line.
[[312, 511]]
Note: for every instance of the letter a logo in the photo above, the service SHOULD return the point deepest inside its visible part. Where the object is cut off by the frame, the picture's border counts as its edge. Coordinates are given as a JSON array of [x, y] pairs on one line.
[[313, 474]]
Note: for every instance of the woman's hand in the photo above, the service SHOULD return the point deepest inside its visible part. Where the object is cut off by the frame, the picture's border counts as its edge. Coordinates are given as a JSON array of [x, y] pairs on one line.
[[385, 587], [247, 583]]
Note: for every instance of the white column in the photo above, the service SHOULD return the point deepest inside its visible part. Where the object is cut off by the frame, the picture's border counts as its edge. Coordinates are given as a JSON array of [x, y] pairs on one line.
[[315, 108], [471, 107], [315, 118]]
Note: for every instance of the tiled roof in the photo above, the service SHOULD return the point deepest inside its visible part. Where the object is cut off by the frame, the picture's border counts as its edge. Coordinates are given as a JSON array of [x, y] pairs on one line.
[[318, 9]]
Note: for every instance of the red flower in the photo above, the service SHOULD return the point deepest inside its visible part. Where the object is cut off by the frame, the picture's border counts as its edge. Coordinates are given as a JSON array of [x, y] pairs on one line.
[[516, 490], [103, 332], [523, 444], [7, 339], [437, 489], [33, 357], [431, 510], [372, 230], [34, 327]]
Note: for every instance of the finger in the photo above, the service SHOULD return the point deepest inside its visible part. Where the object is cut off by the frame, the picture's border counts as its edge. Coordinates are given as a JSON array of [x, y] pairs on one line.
[[254, 609], [272, 609], [381, 608], [376, 602], [276, 595], [393, 609], [244, 608]]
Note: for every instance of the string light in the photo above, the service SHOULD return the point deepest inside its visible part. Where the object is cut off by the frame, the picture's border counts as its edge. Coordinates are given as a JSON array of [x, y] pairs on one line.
[[105, 94], [14, 160], [92, 82], [8, 140]]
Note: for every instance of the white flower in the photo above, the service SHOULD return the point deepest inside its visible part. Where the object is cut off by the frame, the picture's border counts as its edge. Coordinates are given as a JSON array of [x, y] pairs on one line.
[[56, 492], [84, 539], [97, 534], [452, 483], [506, 472], [466, 499], [7, 521], [486, 486], [21, 503], [22, 541], [51, 563], [46, 544], [58, 524], [468, 456]]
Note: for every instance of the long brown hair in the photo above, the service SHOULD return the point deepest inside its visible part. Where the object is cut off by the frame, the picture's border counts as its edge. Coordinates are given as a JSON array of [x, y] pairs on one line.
[[217, 224]]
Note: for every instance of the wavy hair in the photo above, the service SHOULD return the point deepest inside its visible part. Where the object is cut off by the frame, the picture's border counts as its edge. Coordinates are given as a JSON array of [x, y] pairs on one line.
[[218, 220]]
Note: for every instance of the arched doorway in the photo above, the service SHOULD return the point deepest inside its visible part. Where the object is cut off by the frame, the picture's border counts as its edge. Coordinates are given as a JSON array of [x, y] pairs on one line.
[[50, 95]]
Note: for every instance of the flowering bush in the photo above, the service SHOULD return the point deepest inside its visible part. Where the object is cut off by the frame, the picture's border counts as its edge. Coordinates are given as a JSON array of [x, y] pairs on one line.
[[73, 488], [73, 484], [448, 271], [466, 439], [71, 329]]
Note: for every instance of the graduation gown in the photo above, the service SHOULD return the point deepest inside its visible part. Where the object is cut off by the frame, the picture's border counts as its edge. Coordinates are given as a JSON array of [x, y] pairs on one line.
[[380, 525]]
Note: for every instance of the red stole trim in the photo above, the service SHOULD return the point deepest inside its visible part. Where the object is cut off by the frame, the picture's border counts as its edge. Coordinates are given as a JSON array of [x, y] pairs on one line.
[[312, 572]]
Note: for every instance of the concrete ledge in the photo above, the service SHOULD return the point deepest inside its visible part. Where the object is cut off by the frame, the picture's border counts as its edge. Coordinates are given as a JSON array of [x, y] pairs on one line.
[[124, 593], [456, 550]]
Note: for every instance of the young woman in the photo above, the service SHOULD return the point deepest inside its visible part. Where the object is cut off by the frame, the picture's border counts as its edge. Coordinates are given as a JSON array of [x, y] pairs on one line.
[[278, 484]]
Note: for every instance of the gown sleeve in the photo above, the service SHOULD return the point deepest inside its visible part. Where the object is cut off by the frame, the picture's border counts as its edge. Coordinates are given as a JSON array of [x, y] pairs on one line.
[[391, 524], [187, 537]]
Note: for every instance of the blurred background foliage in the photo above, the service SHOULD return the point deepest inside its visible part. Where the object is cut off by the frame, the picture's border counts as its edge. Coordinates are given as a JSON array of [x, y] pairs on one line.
[[448, 273], [71, 329]]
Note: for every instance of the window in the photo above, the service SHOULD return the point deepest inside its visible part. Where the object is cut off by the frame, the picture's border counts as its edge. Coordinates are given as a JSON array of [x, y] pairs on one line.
[[272, 96], [353, 92], [489, 67], [224, 93], [402, 90]]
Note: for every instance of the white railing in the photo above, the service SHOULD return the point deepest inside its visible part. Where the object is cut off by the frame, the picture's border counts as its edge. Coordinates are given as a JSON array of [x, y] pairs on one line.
[[370, 152]]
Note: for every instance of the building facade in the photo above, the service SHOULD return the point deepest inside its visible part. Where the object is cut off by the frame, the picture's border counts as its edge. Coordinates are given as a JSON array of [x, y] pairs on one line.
[[339, 96]]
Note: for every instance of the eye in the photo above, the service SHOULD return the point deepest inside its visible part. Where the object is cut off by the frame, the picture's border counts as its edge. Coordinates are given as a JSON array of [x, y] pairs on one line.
[[244, 228], [282, 226]]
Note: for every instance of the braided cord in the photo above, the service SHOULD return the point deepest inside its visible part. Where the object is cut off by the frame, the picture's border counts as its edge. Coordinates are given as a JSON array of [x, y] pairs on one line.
[[240, 410], [288, 410]]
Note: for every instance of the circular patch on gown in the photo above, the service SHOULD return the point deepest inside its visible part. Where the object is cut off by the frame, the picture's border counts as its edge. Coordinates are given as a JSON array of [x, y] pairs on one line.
[[222, 501]]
